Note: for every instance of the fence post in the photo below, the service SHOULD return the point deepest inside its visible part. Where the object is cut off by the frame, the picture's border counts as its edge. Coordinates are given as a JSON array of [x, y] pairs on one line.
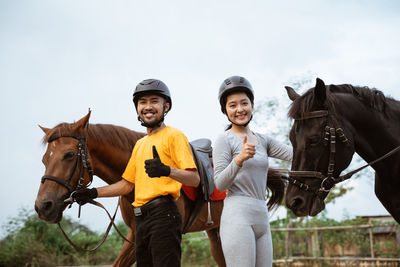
[[315, 246], [371, 239], [287, 242]]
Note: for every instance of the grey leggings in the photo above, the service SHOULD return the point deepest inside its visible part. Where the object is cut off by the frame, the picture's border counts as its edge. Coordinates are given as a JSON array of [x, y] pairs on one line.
[[245, 232]]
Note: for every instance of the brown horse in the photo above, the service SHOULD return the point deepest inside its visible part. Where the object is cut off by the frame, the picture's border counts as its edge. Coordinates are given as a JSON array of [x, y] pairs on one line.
[[108, 149]]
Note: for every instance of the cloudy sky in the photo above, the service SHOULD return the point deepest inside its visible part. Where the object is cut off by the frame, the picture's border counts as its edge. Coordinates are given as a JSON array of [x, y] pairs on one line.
[[58, 58]]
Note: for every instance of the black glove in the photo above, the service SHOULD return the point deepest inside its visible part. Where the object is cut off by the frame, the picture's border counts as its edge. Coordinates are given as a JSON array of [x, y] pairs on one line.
[[154, 167], [84, 195]]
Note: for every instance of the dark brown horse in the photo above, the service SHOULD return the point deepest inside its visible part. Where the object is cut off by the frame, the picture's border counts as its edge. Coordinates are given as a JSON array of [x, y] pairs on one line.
[[109, 148], [331, 123]]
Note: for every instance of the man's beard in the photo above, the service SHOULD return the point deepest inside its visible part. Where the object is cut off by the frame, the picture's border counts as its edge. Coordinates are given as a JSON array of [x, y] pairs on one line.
[[151, 125]]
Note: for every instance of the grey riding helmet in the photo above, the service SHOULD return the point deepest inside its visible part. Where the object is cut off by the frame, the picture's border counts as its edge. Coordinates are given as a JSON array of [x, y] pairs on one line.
[[152, 86], [234, 84]]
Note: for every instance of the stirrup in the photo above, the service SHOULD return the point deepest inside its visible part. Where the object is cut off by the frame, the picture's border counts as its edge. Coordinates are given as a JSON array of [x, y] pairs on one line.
[[209, 220]]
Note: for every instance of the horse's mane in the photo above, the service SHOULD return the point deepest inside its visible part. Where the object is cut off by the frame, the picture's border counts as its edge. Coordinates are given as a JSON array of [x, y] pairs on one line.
[[371, 97], [121, 137]]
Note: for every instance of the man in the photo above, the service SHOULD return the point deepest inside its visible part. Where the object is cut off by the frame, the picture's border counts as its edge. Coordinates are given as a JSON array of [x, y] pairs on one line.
[[160, 163]]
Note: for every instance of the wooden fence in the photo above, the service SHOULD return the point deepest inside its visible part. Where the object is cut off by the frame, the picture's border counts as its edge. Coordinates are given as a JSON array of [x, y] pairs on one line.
[[316, 257]]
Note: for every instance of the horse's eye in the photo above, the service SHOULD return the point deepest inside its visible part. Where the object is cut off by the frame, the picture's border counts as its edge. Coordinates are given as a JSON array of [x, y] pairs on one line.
[[314, 140], [69, 155]]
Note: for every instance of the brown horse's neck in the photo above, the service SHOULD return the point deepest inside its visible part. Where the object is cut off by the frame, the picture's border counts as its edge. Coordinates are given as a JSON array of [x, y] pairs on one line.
[[110, 148]]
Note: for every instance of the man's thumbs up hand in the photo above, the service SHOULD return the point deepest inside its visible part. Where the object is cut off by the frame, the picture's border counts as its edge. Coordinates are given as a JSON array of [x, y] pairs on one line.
[[155, 153], [154, 167]]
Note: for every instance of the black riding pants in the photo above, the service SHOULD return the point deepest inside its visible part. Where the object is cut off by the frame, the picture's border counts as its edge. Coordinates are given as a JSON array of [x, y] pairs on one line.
[[158, 234]]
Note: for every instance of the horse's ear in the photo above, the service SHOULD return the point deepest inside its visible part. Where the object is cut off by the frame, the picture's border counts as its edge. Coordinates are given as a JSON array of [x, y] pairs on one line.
[[291, 93], [320, 92], [44, 129], [80, 125]]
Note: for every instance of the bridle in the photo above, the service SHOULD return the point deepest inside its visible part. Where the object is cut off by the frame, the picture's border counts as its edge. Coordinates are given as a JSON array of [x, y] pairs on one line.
[[328, 181], [81, 157]]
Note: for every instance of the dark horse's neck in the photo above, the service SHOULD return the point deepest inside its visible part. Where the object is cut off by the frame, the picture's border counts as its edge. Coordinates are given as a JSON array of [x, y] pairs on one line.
[[375, 124], [110, 148], [373, 121]]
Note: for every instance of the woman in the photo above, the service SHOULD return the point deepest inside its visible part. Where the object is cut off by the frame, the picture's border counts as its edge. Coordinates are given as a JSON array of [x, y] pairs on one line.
[[241, 166]]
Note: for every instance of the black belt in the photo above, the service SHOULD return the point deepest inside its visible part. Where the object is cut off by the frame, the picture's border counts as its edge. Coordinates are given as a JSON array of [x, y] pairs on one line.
[[139, 211]]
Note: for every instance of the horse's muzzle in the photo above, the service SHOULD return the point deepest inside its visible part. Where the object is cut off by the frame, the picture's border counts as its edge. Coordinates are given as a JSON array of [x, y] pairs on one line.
[[49, 210]]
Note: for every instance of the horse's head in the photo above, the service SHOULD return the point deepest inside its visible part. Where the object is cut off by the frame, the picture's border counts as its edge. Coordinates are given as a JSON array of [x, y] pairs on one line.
[[67, 166], [322, 148]]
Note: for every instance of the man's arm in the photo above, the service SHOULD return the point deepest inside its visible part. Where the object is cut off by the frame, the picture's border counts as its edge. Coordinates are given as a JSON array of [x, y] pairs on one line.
[[186, 177], [85, 195], [119, 188]]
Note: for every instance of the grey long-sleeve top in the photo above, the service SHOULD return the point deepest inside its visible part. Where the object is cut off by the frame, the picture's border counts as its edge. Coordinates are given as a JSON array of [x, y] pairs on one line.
[[251, 179]]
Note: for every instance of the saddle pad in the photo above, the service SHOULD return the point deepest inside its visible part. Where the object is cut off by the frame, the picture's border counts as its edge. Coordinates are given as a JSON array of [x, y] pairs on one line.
[[192, 192], [218, 195]]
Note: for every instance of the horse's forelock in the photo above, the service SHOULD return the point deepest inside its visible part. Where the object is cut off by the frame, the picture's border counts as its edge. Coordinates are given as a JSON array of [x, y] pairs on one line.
[[305, 103], [301, 105], [62, 129]]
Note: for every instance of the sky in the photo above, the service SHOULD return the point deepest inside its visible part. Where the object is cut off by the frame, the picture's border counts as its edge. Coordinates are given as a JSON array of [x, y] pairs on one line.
[[59, 58]]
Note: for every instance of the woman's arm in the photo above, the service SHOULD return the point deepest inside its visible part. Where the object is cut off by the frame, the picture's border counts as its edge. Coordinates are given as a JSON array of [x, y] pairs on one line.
[[225, 168], [278, 150]]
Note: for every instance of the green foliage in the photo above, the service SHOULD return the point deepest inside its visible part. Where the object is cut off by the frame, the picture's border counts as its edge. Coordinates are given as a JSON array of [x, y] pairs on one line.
[[337, 192], [196, 250], [31, 242]]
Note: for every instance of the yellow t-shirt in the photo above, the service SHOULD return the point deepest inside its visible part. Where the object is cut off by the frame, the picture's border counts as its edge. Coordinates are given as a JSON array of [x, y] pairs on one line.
[[174, 151]]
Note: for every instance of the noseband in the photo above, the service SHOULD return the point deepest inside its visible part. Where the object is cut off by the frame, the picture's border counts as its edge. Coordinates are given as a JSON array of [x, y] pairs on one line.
[[81, 157], [328, 181]]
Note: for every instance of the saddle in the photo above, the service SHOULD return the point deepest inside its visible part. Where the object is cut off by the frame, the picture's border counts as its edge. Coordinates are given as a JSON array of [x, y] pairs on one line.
[[202, 155]]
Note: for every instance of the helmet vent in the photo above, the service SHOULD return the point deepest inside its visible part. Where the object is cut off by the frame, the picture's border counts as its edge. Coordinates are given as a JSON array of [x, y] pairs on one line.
[[227, 82], [148, 81], [241, 80]]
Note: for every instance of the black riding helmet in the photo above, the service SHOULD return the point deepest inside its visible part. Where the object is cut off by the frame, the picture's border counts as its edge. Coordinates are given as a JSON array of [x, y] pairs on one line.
[[152, 86], [234, 84], [148, 87]]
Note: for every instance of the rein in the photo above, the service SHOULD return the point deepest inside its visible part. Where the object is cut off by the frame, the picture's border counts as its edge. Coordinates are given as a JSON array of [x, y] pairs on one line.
[[112, 223], [328, 181], [83, 158]]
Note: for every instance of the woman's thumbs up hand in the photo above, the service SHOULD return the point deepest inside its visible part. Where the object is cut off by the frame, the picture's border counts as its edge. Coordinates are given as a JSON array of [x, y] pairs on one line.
[[154, 167], [248, 151]]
